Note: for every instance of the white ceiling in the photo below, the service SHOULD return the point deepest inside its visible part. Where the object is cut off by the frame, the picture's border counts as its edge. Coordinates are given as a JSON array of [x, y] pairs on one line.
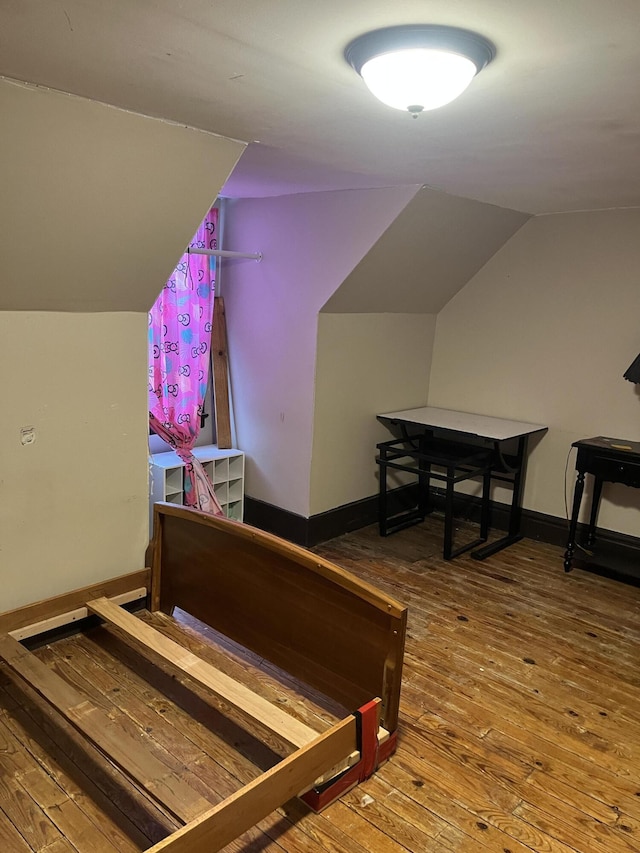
[[552, 124]]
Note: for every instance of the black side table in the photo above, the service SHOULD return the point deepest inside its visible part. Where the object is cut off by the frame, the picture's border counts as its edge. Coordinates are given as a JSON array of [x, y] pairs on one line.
[[609, 460]]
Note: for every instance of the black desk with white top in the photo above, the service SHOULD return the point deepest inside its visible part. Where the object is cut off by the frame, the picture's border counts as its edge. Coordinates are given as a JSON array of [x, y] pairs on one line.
[[460, 445]]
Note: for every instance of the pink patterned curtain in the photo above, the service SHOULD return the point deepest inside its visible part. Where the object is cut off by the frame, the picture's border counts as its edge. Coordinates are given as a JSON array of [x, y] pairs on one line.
[[180, 324]]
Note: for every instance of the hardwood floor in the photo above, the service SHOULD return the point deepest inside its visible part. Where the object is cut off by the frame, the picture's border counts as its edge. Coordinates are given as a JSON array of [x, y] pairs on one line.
[[519, 725]]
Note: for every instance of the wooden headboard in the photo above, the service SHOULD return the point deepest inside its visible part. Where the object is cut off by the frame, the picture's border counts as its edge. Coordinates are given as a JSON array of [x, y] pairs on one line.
[[311, 618]]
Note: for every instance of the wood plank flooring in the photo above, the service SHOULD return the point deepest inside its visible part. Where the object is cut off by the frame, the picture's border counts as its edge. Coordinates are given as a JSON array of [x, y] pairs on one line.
[[519, 720]]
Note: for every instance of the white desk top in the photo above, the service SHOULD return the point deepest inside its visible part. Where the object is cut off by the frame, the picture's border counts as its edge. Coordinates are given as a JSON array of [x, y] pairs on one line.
[[482, 426]]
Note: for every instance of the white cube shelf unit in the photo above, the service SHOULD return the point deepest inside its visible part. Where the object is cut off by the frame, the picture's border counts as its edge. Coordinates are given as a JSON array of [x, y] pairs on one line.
[[225, 469]]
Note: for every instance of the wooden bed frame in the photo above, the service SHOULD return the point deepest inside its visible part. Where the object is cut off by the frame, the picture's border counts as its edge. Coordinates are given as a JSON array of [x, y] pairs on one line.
[[314, 620]]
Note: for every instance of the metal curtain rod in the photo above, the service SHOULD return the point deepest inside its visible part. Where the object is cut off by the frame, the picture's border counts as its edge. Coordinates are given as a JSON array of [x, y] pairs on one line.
[[222, 253]]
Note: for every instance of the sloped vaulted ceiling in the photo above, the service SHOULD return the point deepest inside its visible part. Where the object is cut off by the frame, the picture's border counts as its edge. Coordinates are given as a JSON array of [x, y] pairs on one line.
[[97, 203], [551, 125], [430, 251]]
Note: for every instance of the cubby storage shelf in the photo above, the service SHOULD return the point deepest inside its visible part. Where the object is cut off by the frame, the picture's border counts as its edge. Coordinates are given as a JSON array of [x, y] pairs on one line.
[[225, 469]]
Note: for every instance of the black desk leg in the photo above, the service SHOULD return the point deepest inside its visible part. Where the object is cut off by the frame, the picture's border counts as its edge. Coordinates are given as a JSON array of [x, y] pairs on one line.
[[577, 500], [595, 503], [515, 513], [515, 517]]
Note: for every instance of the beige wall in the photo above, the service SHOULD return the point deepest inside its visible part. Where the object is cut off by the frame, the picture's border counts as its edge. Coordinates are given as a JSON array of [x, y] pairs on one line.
[[97, 203], [73, 505], [377, 264], [366, 364], [431, 250], [310, 243], [543, 333]]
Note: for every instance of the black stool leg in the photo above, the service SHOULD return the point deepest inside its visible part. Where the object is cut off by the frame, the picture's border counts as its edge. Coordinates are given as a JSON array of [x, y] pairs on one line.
[[424, 485], [448, 515], [486, 504], [382, 497]]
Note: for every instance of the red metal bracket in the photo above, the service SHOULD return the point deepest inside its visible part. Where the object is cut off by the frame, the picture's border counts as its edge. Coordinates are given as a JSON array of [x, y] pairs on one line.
[[371, 755]]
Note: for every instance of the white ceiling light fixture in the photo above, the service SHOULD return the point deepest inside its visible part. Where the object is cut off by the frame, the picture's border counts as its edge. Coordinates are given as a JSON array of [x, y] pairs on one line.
[[419, 66]]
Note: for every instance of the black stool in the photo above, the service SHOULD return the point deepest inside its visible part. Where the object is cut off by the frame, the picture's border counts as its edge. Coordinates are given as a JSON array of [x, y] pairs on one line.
[[416, 455]]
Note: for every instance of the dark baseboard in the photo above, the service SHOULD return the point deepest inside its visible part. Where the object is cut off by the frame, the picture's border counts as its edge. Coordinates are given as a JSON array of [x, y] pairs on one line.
[[325, 525], [535, 525], [622, 552], [273, 519], [353, 516]]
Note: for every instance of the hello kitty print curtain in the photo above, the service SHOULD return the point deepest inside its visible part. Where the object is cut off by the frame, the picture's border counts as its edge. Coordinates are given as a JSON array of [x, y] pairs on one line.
[[180, 324]]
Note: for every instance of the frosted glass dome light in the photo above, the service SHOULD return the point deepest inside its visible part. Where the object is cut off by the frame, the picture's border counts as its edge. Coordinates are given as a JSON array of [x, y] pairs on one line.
[[418, 67], [418, 78]]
